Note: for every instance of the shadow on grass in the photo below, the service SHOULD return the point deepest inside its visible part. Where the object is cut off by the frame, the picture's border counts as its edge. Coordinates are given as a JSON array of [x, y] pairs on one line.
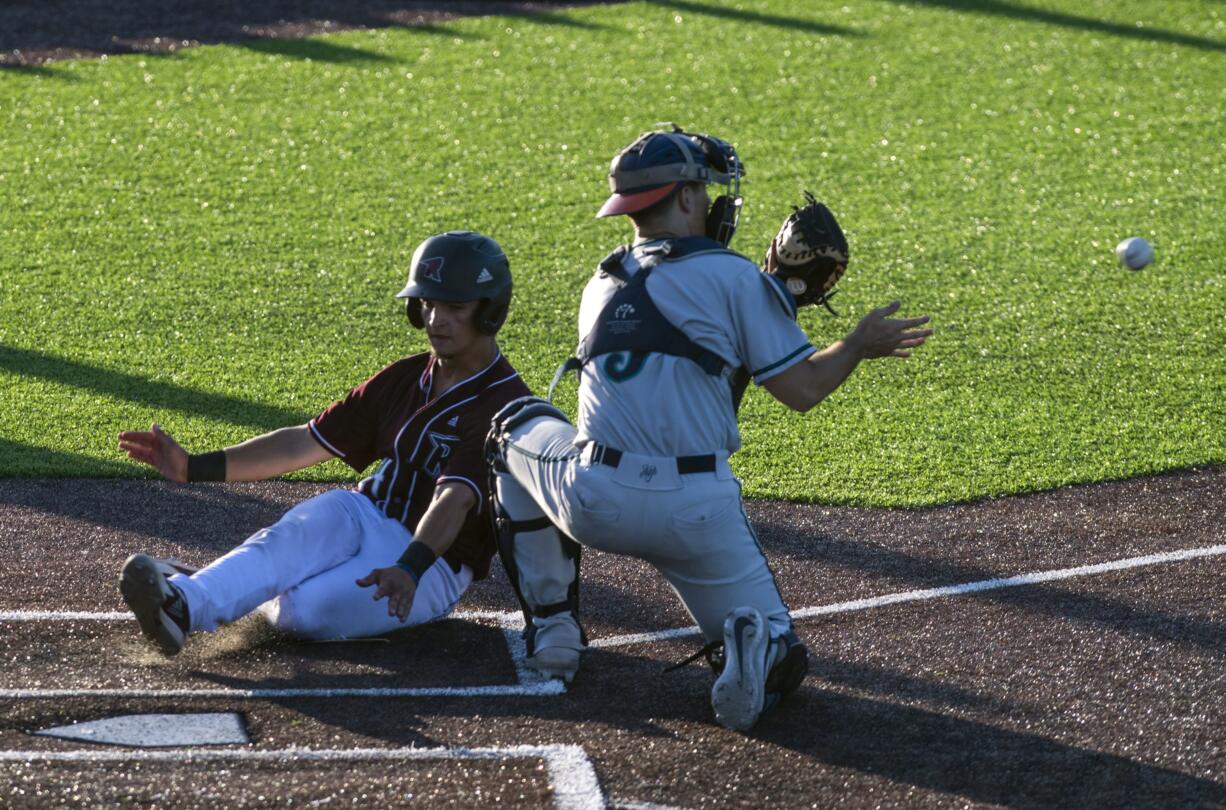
[[43, 462], [150, 393], [212, 518], [37, 71], [32, 33], [314, 50], [1015, 11], [757, 18]]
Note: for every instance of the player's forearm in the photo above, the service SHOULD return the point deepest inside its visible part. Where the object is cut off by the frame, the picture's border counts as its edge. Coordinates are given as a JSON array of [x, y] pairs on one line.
[[273, 454], [810, 381], [441, 524], [829, 368]]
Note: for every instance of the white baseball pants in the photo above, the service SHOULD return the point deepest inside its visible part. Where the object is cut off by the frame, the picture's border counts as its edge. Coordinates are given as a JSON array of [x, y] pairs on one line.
[[691, 528], [302, 570]]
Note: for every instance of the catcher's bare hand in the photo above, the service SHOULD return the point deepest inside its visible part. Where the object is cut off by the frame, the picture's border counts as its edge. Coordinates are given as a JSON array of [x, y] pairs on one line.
[[397, 585], [158, 449], [878, 335]]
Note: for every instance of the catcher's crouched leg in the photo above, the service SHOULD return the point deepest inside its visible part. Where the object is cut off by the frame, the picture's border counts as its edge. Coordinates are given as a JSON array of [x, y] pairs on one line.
[[512, 415], [541, 562], [744, 689], [791, 666]]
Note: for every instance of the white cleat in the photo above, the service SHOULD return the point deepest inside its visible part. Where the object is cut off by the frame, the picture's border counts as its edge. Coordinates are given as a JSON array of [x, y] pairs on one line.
[[739, 693], [555, 662], [557, 642]]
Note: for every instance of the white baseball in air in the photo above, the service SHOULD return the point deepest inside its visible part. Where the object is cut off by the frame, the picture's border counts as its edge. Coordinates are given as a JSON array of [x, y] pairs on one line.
[[1134, 252]]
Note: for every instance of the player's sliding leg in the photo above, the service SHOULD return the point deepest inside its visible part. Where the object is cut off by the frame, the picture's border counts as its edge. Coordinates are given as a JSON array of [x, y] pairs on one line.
[[330, 605], [541, 562], [314, 536]]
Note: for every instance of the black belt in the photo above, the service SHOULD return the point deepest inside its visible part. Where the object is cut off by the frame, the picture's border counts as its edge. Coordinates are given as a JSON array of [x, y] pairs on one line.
[[686, 465]]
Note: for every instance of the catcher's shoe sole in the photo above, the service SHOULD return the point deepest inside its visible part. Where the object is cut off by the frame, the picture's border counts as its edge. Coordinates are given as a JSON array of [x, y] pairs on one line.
[[739, 694], [144, 588], [555, 662]]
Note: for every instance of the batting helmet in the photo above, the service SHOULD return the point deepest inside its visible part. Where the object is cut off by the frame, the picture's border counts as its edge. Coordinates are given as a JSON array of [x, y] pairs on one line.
[[659, 163], [460, 266]]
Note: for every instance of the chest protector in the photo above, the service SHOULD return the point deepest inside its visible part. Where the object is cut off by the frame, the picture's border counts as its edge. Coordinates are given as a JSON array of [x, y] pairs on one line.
[[630, 326]]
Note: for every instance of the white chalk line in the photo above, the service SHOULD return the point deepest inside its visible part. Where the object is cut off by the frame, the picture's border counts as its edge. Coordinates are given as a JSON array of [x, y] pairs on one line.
[[544, 688], [509, 619], [948, 590], [528, 682], [571, 774]]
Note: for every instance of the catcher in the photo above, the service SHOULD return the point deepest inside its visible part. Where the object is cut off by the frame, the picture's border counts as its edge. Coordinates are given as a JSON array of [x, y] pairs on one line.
[[673, 326]]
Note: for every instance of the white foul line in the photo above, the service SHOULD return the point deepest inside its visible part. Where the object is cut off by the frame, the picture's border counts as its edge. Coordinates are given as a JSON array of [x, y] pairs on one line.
[[948, 590], [542, 688], [528, 683], [502, 618], [571, 775], [508, 619]]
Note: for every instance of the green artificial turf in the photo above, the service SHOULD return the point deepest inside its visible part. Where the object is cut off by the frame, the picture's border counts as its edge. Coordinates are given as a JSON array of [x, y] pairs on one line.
[[212, 238]]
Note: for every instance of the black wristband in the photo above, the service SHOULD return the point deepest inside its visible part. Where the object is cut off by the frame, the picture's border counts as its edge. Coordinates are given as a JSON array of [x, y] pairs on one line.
[[207, 466], [417, 559]]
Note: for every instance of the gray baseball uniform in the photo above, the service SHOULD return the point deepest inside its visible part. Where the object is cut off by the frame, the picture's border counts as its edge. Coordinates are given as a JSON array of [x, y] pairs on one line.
[[646, 471]]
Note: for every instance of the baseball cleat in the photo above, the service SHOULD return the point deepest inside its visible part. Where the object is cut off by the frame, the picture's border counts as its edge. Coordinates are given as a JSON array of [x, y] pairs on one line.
[[555, 662], [739, 694], [159, 607], [555, 646]]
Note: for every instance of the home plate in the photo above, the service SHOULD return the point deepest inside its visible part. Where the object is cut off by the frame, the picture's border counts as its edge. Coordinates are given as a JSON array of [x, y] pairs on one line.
[[157, 730]]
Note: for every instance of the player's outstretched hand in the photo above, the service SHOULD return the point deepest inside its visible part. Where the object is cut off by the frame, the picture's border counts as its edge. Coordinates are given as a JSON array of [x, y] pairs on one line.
[[397, 585], [158, 449], [879, 335]]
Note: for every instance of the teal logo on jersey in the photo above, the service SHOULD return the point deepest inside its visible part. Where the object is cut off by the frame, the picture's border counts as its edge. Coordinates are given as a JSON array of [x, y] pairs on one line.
[[621, 366]]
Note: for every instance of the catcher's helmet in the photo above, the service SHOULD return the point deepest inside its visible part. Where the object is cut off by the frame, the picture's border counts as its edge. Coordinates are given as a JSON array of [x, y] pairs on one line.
[[460, 266], [658, 163]]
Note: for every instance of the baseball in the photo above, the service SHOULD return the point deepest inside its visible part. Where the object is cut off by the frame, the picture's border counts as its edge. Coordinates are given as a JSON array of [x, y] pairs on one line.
[[1134, 252]]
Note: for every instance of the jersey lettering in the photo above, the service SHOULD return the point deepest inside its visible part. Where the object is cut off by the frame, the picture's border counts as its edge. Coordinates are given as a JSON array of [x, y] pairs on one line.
[[440, 448]]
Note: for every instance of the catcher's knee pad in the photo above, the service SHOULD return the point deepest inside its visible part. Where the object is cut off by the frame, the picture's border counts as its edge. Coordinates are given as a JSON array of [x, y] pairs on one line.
[[789, 670], [512, 415]]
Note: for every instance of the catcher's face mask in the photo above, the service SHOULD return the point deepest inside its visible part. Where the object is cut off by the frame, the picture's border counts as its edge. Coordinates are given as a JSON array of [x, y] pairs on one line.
[[725, 212]]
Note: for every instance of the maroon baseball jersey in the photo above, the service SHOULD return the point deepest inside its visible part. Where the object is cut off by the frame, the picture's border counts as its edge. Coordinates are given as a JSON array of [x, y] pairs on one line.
[[423, 442]]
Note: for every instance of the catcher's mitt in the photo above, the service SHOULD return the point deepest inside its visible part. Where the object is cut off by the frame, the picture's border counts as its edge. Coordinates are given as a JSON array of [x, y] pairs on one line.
[[809, 253]]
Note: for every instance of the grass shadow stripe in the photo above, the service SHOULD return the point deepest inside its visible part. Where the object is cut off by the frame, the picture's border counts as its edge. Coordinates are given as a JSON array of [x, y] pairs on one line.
[[1015, 11], [741, 15], [146, 392]]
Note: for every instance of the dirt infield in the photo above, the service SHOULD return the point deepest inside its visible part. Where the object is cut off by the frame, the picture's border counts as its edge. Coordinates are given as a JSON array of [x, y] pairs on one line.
[[1100, 682], [1096, 686], [35, 32]]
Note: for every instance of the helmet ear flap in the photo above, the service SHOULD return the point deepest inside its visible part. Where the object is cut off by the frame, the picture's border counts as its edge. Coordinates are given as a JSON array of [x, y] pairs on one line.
[[491, 315], [412, 308]]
